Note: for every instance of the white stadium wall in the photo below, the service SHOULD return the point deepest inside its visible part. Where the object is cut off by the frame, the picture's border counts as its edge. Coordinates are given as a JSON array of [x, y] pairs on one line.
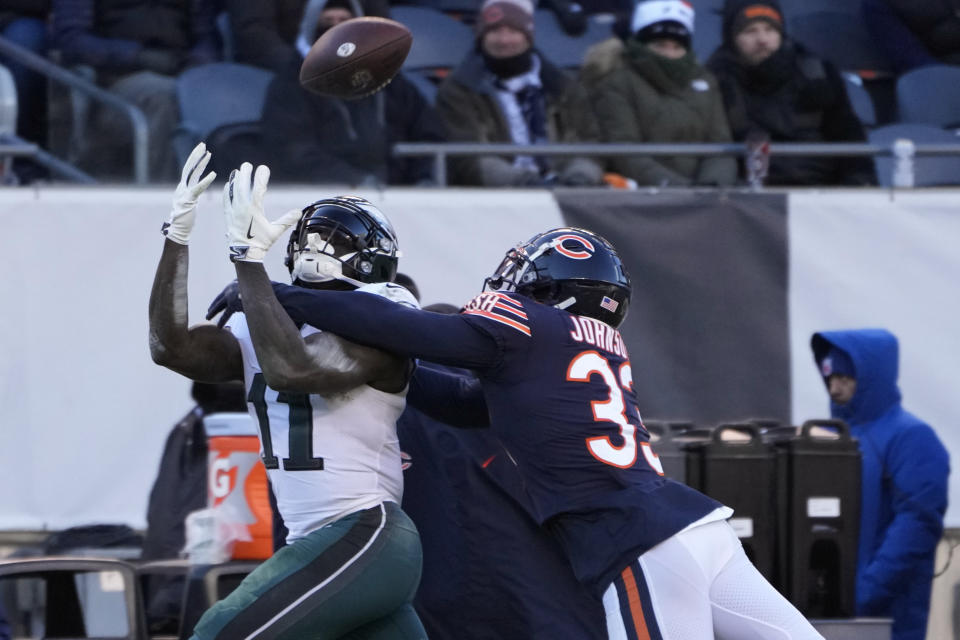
[[84, 412]]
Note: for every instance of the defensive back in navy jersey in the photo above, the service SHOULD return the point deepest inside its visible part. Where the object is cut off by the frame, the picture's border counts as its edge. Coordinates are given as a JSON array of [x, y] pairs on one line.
[[562, 401], [558, 391]]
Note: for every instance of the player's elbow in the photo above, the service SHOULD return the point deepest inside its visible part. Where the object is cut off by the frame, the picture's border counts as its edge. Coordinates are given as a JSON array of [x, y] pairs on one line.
[[160, 352]]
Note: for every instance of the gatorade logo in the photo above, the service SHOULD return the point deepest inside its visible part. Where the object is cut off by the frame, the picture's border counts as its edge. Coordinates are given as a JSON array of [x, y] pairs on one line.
[[223, 478]]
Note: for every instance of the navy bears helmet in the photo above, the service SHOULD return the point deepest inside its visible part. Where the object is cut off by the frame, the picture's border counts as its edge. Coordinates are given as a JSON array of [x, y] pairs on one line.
[[344, 238], [568, 268]]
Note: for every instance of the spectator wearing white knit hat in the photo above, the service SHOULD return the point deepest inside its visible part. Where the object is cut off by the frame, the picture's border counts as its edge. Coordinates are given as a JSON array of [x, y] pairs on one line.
[[506, 91], [652, 89]]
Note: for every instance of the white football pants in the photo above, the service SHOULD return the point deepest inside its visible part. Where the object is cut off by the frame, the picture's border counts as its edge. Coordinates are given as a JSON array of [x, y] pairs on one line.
[[699, 585]]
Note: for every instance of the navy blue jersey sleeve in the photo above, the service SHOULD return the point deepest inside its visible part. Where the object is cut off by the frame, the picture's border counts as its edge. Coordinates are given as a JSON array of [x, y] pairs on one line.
[[372, 320], [451, 398]]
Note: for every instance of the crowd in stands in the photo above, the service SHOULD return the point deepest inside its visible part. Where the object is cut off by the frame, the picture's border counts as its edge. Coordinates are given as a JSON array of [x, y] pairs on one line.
[[647, 82]]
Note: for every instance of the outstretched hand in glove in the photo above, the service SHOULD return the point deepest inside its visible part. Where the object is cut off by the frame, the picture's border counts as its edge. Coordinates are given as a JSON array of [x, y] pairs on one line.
[[249, 234], [183, 213]]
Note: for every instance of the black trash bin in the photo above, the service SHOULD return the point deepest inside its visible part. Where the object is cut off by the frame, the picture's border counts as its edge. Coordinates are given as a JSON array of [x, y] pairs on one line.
[[742, 474], [823, 507], [667, 441]]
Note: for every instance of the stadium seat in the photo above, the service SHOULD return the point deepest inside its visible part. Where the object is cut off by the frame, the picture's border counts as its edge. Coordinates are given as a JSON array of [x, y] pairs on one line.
[[562, 49], [58, 597], [707, 32], [715, 6], [930, 95], [421, 80], [793, 8], [840, 37], [439, 41], [928, 171], [214, 95], [465, 7], [860, 100]]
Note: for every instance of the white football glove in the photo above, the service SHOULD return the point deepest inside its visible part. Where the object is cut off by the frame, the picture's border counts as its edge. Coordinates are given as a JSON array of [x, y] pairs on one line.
[[184, 210], [249, 234]]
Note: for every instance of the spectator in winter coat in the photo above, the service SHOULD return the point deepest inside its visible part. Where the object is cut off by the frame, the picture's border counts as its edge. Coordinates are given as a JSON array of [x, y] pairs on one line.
[[651, 89], [312, 138], [136, 48], [904, 477], [272, 35], [915, 33], [506, 91], [773, 88]]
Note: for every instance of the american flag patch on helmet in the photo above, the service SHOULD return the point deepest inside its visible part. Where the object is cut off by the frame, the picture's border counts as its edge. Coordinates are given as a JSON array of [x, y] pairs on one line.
[[609, 304]]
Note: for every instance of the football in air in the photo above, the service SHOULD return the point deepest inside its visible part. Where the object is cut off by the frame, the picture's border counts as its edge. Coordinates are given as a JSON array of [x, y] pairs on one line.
[[355, 58]]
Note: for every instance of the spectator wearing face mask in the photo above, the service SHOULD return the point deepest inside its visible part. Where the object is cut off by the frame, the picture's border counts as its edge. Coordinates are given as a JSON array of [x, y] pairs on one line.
[[650, 88]]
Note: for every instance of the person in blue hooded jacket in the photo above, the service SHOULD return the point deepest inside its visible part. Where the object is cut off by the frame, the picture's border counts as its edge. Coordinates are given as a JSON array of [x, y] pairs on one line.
[[903, 478]]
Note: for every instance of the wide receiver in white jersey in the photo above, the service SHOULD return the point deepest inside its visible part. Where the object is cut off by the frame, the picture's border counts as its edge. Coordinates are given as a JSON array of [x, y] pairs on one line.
[[326, 409]]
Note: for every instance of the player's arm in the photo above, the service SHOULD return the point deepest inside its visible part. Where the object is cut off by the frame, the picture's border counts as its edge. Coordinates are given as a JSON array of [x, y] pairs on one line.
[[375, 321], [322, 363], [455, 399], [205, 352]]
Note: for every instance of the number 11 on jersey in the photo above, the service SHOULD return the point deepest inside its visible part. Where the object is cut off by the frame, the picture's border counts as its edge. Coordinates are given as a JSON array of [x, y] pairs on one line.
[[299, 433]]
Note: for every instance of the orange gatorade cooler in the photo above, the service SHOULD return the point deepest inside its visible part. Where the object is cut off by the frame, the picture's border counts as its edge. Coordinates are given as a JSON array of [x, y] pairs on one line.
[[237, 478]]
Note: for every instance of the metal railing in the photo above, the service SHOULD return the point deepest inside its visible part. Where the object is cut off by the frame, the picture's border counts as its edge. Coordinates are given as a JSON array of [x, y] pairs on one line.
[[12, 146], [133, 114], [904, 155]]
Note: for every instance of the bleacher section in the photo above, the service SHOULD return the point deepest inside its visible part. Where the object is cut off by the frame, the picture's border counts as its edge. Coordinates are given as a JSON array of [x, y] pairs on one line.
[[443, 34]]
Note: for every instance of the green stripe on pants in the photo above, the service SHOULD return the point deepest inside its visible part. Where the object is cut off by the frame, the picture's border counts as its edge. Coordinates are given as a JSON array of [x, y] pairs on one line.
[[355, 574]]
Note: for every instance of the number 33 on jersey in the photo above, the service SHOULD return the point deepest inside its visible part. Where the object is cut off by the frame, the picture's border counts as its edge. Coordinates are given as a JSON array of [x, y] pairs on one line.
[[582, 367], [597, 383]]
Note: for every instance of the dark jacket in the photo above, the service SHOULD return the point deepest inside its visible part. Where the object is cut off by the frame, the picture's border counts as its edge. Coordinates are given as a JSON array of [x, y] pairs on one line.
[[13, 9], [485, 561], [318, 139], [265, 31], [792, 96], [109, 34], [635, 101], [468, 105], [914, 33], [904, 484]]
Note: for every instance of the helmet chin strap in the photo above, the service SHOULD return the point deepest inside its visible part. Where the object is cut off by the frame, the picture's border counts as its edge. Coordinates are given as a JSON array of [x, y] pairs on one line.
[[563, 304], [327, 268]]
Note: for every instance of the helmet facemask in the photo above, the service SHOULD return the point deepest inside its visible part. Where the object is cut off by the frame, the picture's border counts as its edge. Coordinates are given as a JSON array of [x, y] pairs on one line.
[[340, 241]]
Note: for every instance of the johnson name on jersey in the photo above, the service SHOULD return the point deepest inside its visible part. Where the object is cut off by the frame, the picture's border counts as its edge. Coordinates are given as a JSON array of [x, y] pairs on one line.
[[564, 406]]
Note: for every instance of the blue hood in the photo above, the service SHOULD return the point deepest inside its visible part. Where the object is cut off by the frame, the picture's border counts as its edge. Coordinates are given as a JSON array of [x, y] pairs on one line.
[[875, 356]]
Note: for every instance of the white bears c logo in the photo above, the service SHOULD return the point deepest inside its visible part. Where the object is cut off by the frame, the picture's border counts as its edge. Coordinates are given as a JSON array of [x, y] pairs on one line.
[[576, 254]]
